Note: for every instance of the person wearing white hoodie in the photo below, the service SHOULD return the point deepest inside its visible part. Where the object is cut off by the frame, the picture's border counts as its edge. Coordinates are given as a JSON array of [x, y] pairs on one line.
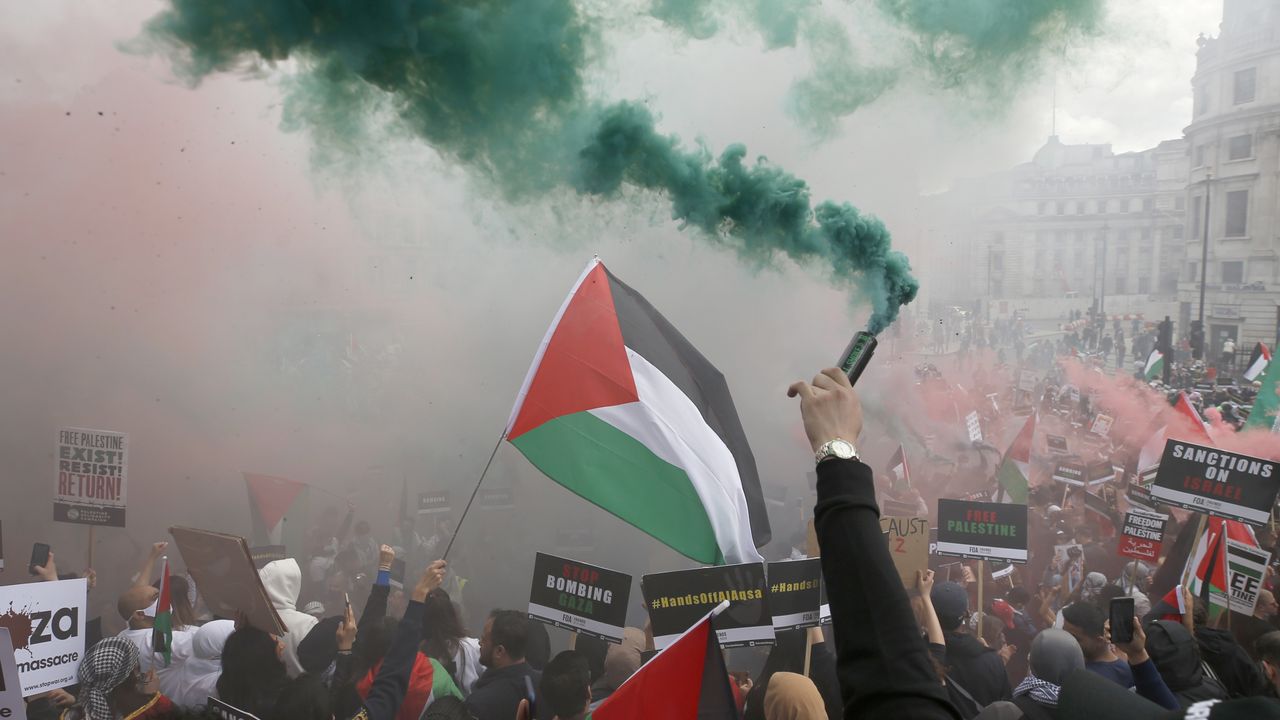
[[283, 581], [199, 679]]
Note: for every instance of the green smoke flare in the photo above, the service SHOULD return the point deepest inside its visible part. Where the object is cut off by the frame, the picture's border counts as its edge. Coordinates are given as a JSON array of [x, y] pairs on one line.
[[497, 85]]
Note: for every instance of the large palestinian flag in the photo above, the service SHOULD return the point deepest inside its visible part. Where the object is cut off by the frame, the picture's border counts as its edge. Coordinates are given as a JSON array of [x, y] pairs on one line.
[[619, 408]]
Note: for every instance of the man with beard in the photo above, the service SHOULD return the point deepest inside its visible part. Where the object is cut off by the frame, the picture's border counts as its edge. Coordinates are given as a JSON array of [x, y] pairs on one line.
[[498, 692]]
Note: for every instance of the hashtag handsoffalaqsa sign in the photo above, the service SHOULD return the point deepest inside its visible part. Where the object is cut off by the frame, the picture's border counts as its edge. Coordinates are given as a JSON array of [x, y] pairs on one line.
[[795, 593], [677, 600]]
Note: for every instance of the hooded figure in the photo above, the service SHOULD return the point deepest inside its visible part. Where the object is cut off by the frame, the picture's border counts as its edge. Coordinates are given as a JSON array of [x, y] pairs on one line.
[[1177, 658], [621, 661], [1093, 584], [283, 580], [1054, 656], [793, 697], [199, 678]]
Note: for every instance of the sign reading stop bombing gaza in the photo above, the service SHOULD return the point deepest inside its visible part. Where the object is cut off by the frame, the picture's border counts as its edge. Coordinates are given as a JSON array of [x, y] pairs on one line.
[[579, 597], [1210, 480]]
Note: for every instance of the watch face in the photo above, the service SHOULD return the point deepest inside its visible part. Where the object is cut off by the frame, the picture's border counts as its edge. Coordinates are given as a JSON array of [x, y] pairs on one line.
[[842, 449]]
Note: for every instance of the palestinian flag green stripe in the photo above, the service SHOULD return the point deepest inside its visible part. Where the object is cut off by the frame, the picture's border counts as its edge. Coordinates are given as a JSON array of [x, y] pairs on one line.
[[643, 489]]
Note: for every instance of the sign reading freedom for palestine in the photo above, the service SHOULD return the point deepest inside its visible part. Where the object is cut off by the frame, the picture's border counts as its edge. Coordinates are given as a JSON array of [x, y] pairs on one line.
[[580, 597], [1215, 481], [982, 530]]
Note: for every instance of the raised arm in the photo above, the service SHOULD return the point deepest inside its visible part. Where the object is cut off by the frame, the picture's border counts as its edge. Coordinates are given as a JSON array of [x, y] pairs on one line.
[[143, 578], [392, 680]]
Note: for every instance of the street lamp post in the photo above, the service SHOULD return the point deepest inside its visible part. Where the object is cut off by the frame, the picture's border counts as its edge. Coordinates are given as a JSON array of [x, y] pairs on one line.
[[1204, 244]]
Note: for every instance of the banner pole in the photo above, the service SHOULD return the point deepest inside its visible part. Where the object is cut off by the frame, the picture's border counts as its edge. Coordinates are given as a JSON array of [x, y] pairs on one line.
[[808, 651], [982, 571], [458, 528], [91, 529]]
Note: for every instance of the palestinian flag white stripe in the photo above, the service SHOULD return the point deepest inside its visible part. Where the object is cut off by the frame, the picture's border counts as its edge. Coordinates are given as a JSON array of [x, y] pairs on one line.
[[1261, 358]]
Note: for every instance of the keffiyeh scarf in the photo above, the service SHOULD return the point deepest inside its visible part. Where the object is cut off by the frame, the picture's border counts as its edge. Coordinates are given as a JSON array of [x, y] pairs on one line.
[[1045, 693]]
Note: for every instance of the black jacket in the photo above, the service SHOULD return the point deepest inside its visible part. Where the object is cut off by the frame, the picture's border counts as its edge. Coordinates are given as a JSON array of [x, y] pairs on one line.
[[1177, 657], [1233, 666], [881, 660], [496, 694], [976, 668]]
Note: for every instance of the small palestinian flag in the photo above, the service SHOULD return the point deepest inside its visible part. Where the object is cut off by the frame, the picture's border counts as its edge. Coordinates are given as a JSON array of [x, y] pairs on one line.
[[686, 681], [1154, 369], [1258, 362], [1017, 461], [899, 473], [1206, 570], [162, 629], [619, 408], [1266, 407]]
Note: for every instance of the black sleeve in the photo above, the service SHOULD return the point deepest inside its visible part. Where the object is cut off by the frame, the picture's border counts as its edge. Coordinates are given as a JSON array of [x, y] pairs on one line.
[[881, 661], [392, 681], [375, 608], [822, 671], [346, 699]]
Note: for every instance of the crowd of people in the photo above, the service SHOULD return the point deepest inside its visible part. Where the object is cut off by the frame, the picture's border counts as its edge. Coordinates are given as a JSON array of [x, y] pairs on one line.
[[967, 640]]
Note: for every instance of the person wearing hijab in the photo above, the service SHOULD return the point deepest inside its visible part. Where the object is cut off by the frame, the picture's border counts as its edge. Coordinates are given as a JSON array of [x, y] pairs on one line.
[[793, 697], [1092, 585], [200, 674], [621, 661], [1054, 656], [112, 686]]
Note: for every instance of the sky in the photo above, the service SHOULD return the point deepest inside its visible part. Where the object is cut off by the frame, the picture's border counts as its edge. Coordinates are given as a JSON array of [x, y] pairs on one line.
[[177, 267]]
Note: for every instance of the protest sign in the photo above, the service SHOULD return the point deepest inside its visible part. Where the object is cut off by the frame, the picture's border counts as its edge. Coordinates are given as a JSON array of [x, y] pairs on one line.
[[11, 705], [1057, 444], [499, 498], [1100, 473], [576, 596], [982, 530], [1142, 535], [264, 554], [1069, 473], [896, 508], [224, 571], [1215, 481], [431, 503], [46, 624], [229, 712], [91, 478], [795, 593], [974, 426], [1246, 566], [677, 600], [908, 539], [1102, 424], [1027, 380]]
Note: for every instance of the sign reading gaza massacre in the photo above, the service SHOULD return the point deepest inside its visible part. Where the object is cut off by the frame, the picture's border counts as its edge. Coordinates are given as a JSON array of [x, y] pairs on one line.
[[795, 593], [982, 530], [576, 596], [46, 623], [1142, 535], [677, 600], [11, 705], [89, 486], [1216, 481]]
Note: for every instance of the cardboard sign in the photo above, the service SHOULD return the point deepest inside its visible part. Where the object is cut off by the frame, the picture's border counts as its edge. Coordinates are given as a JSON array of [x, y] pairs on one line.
[[974, 425], [1027, 380], [1102, 424], [897, 508], [1215, 481], [1057, 444], [1142, 535], [500, 498], [908, 539], [229, 712], [1100, 474], [677, 600], [1069, 473], [91, 477], [1246, 566], [264, 554], [431, 503], [795, 593], [46, 624], [576, 596], [982, 530], [11, 704], [224, 571]]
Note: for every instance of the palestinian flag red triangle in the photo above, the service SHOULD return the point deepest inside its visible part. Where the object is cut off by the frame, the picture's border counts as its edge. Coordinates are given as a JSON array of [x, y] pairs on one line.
[[272, 496]]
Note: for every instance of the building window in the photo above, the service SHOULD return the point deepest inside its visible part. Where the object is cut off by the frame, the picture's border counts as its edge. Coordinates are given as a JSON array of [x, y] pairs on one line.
[[1199, 156], [1040, 209], [1058, 207], [1193, 271], [1080, 207], [1179, 203], [1144, 285], [1232, 272], [1237, 213], [1147, 204], [1177, 232], [1195, 216], [1245, 83], [1120, 286], [1201, 101], [1240, 147]]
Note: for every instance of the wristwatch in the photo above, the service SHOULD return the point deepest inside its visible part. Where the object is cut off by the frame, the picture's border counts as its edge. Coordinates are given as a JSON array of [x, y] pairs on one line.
[[838, 448]]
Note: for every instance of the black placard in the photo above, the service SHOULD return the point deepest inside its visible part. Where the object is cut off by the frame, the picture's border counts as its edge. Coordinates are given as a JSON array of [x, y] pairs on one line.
[[1069, 473], [578, 596], [795, 593], [1099, 473], [1210, 480], [499, 498], [229, 712], [677, 600], [1057, 444], [982, 530], [431, 503]]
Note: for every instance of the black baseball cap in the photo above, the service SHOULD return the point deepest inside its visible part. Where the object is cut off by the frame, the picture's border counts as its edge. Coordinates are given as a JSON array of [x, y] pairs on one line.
[[1088, 696]]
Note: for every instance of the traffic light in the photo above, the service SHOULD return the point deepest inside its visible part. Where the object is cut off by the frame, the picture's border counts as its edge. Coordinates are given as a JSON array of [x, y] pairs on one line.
[[1197, 339], [1164, 335]]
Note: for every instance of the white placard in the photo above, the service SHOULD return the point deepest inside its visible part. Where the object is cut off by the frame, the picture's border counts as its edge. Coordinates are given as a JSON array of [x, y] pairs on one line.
[[46, 622]]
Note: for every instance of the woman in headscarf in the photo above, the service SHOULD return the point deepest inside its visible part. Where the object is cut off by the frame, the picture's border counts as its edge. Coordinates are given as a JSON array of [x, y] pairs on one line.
[[1092, 585], [1054, 656], [113, 687], [793, 697], [200, 674]]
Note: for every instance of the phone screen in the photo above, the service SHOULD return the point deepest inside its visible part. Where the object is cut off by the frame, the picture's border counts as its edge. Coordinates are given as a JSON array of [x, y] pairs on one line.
[[39, 556], [1121, 620]]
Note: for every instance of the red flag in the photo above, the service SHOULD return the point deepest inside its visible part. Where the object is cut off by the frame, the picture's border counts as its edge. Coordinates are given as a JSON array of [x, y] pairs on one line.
[[686, 681], [1193, 425]]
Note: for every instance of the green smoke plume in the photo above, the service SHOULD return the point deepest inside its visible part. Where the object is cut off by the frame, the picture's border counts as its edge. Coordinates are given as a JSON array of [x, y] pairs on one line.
[[497, 85]]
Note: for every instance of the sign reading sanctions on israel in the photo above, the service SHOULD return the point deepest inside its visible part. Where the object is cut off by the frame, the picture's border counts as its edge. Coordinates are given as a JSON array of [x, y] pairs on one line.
[[580, 597], [1215, 481], [982, 530], [677, 600]]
